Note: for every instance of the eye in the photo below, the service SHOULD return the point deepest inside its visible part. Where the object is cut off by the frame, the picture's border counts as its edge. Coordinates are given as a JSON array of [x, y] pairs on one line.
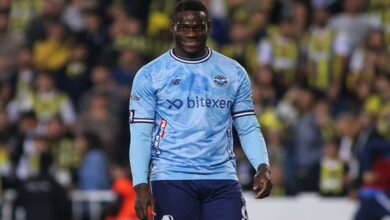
[[200, 28], [182, 28]]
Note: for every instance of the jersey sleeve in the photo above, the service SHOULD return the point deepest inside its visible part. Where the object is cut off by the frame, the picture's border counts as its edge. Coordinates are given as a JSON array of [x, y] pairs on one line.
[[247, 126], [142, 113], [142, 103], [243, 104]]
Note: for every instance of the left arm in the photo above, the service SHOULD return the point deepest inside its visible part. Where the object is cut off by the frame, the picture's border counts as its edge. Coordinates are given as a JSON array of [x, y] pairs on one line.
[[252, 141]]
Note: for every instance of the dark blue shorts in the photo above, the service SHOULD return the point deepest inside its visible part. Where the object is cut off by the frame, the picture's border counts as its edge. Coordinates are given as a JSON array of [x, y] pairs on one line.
[[198, 200]]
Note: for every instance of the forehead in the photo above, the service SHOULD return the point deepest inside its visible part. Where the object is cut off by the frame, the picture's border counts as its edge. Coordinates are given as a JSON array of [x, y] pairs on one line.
[[191, 17]]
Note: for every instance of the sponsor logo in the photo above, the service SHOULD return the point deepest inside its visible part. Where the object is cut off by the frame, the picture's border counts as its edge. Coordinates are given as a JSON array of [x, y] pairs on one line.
[[160, 134], [177, 103], [199, 102], [220, 81], [167, 217]]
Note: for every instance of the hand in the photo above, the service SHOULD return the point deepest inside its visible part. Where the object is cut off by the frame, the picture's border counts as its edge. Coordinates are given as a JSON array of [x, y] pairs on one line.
[[262, 182], [143, 200]]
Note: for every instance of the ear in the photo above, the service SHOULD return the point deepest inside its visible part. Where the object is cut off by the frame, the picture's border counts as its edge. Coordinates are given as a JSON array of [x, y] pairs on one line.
[[172, 26], [208, 26]]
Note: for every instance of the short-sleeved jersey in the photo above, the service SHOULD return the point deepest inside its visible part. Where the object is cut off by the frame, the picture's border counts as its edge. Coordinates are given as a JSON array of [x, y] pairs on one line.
[[192, 105]]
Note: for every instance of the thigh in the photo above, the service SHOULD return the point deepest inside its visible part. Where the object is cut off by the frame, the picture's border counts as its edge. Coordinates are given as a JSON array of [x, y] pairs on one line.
[[225, 202], [175, 200]]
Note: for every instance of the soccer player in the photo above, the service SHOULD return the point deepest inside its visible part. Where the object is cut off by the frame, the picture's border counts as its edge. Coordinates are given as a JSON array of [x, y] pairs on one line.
[[182, 108]]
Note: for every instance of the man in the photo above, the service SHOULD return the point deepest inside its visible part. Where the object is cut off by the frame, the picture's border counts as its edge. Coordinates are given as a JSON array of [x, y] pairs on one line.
[[182, 108]]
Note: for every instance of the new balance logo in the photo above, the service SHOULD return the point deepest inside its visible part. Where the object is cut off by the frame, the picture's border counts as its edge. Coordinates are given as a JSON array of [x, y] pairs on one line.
[[175, 82]]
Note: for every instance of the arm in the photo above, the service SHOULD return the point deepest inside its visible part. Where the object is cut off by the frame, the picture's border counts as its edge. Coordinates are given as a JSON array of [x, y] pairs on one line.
[[141, 118], [255, 149], [251, 139]]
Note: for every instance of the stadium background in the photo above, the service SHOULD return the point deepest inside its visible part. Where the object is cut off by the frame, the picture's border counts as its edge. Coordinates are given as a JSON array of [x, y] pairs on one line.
[[66, 69]]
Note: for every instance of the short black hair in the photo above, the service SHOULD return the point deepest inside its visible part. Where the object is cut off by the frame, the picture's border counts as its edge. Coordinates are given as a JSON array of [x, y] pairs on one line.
[[189, 5]]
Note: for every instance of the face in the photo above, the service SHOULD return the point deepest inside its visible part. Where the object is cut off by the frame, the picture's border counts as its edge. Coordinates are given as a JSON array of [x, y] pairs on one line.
[[352, 6], [45, 83], [321, 17], [190, 30], [376, 40]]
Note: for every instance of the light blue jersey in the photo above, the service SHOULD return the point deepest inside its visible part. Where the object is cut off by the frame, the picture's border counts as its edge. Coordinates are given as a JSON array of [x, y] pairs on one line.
[[192, 105]]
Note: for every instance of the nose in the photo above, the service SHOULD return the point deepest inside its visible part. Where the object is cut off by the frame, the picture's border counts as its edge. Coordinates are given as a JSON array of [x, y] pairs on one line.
[[191, 33]]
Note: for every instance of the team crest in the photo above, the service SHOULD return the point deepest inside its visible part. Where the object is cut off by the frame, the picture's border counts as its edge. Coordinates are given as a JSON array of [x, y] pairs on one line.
[[220, 81]]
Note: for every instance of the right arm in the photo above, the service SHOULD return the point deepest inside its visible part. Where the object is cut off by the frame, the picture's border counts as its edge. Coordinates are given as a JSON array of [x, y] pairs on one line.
[[141, 119]]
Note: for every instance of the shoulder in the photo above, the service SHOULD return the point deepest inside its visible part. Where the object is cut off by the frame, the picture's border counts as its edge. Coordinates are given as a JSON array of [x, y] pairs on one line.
[[227, 61], [155, 65]]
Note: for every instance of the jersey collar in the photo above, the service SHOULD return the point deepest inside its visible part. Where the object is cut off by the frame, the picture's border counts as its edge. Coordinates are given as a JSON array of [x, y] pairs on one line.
[[192, 61]]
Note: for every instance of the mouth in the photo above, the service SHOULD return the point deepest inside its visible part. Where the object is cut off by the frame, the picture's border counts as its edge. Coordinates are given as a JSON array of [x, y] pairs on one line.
[[191, 43]]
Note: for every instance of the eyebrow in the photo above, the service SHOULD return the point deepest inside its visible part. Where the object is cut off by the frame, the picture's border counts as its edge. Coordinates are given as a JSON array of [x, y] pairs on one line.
[[193, 22]]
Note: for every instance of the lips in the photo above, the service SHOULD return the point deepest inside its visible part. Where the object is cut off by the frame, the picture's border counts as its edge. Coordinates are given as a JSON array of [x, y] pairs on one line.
[[191, 43]]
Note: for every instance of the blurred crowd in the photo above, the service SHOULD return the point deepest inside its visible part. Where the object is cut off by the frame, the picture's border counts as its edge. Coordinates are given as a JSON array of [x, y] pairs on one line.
[[320, 74]]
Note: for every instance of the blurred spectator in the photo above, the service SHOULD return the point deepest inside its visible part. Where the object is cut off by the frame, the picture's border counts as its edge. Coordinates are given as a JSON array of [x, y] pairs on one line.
[[333, 171], [21, 12], [93, 171], [241, 47], [374, 195], [379, 15], [280, 187], [219, 24], [287, 107], [41, 197], [272, 129], [102, 82], [300, 14], [326, 52], [29, 162], [94, 36], [311, 131], [98, 120], [66, 158], [348, 128], [369, 60], [6, 94], [352, 22], [73, 79], [10, 44], [258, 26], [264, 86], [52, 53], [21, 142], [24, 73], [129, 62], [73, 15], [37, 28], [139, 9], [123, 187], [279, 54], [46, 102], [5, 163], [7, 131]]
